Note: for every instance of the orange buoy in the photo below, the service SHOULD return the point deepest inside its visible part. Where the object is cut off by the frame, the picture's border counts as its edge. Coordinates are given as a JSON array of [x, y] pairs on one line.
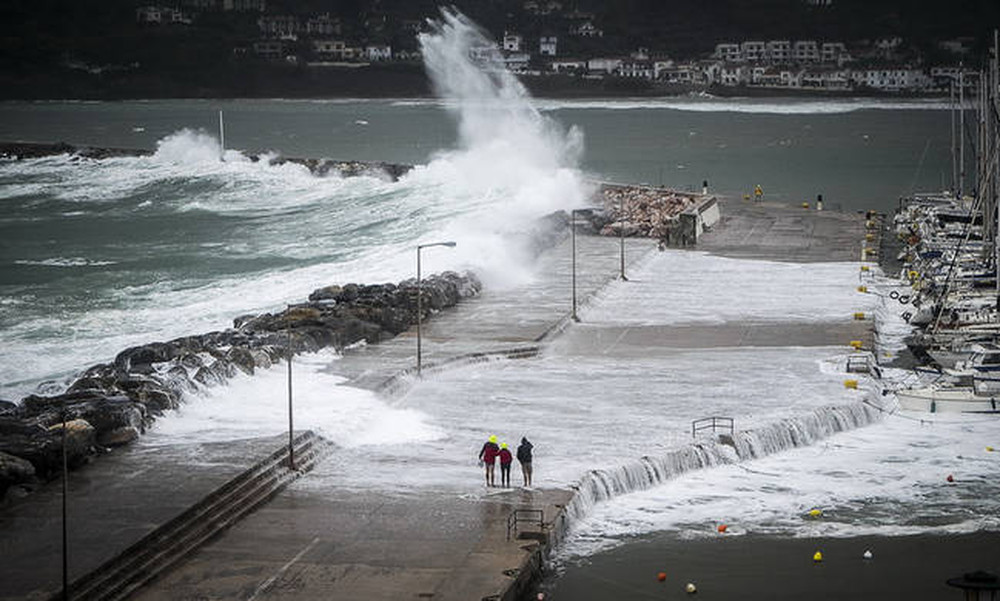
[[950, 478], [722, 527], [661, 576]]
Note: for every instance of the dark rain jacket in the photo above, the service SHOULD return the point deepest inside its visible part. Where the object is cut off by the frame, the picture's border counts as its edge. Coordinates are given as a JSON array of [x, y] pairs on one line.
[[524, 451]]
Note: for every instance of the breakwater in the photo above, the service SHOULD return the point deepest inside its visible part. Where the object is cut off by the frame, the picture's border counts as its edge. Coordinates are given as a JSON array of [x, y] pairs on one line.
[[317, 166], [111, 404]]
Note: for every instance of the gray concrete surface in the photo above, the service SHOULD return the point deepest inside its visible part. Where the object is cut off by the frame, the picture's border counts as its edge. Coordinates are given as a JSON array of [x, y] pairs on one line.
[[321, 544], [111, 504], [773, 231]]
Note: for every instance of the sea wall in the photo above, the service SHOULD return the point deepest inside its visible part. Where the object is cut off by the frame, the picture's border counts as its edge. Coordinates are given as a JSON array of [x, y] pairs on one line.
[[111, 404]]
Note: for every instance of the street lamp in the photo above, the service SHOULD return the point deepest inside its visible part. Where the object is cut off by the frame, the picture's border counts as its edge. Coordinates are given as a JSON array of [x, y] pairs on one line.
[[572, 218], [420, 301], [291, 446], [621, 232]]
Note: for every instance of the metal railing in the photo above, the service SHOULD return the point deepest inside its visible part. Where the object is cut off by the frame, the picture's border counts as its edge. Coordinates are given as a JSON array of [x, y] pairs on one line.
[[524, 515], [714, 423]]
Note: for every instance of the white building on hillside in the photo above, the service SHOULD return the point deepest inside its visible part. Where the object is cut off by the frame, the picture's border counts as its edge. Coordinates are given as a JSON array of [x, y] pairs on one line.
[[547, 45], [512, 41], [728, 52], [754, 51], [604, 65], [779, 51], [805, 51]]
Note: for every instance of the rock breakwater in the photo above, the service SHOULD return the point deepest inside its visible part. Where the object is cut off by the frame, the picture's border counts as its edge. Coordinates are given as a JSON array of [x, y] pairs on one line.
[[111, 404], [642, 211], [319, 167]]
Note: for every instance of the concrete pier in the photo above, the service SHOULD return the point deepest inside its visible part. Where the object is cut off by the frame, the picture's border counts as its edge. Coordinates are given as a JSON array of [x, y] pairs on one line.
[[318, 540]]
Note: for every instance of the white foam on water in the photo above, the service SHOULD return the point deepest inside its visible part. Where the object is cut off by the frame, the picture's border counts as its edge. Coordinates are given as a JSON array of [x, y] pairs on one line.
[[888, 479], [66, 262], [251, 406]]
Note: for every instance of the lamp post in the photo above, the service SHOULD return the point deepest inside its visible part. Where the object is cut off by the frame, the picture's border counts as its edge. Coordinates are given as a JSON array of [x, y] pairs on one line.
[[621, 233], [572, 218], [420, 300], [65, 543], [291, 449]]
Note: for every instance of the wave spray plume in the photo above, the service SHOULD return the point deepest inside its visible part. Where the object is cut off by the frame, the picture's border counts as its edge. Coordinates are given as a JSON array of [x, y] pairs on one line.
[[512, 158]]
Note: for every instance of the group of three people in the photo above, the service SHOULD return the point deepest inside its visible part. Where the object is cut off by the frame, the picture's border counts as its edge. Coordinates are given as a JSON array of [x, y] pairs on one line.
[[491, 451]]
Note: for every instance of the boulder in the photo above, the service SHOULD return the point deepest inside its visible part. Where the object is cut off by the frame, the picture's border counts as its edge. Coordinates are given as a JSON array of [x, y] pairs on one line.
[[14, 471], [242, 358], [118, 437], [139, 359], [327, 293], [8, 408]]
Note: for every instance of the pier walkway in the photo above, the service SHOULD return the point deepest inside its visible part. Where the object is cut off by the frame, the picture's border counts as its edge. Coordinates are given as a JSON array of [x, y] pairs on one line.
[[315, 540]]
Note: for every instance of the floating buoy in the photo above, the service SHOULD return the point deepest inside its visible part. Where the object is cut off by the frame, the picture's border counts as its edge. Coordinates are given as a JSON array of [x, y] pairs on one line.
[[816, 513], [856, 344], [852, 384], [950, 478], [817, 557], [862, 288], [868, 554], [722, 527], [859, 316], [690, 588], [661, 576]]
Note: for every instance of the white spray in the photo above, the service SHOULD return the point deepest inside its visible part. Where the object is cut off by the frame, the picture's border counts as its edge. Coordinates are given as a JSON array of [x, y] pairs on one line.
[[513, 160]]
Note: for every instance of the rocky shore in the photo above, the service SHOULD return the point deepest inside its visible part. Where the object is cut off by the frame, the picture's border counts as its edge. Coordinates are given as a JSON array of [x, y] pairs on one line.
[[111, 404], [319, 167]]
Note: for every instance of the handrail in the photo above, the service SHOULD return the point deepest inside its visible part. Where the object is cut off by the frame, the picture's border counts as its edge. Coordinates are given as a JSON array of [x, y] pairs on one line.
[[514, 518], [715, 422]]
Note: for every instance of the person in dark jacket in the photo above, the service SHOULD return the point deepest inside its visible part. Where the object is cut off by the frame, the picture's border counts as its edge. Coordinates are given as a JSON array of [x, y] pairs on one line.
[[488, 457], [505, 460], [524, 458]]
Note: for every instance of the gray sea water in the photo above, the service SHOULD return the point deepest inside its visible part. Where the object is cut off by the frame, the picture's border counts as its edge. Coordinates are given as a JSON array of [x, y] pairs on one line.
[[98, 255]]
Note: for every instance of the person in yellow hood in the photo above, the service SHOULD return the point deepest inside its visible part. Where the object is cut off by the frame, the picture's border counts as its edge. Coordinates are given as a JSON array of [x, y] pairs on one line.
[[488, 457]]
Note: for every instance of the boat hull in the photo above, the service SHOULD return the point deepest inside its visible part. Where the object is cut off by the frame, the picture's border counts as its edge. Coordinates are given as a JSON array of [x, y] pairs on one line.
[[947, 400]]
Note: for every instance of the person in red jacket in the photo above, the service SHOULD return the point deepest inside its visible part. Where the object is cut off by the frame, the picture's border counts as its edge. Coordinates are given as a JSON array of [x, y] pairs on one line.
[[488, 457], [505, 460]]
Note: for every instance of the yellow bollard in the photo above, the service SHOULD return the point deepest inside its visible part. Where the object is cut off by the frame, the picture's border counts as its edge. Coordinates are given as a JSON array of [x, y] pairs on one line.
[[864, 268], [856, 345], [805, 205], [859, 316], [862, 288], [869, 237], [853, 385]]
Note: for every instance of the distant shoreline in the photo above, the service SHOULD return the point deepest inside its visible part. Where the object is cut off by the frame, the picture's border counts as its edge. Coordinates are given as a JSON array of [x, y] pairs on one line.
[[371, 83]]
